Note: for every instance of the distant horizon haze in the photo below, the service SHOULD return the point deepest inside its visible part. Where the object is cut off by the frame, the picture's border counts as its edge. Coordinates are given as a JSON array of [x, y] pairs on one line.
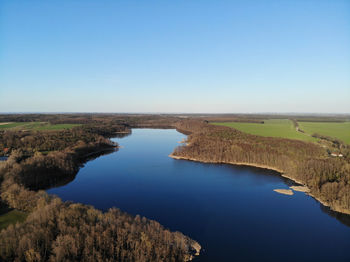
[[189, 113], [175, 56]]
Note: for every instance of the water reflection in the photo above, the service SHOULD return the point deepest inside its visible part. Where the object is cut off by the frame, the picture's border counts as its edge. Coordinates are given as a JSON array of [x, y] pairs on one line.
[[343, 218], [59, 179]]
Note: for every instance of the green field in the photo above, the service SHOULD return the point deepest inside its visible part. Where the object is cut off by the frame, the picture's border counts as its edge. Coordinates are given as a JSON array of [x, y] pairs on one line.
[[332, 129], [11, 217], [56, 127], [42, 126], [271, 128], [11, 125]]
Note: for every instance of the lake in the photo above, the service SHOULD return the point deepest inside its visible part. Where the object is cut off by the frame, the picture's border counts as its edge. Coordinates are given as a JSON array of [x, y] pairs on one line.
[[231, 211]]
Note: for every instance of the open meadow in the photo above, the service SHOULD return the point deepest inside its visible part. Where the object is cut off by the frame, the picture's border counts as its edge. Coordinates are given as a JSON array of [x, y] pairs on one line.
[[41, 126], [332, 129], [270, 128]]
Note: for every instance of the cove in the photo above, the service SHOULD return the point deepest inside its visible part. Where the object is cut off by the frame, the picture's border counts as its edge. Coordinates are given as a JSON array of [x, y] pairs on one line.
[[231, 211]]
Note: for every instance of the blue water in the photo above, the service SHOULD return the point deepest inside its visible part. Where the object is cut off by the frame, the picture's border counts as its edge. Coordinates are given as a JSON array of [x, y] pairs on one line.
[[232, 212]]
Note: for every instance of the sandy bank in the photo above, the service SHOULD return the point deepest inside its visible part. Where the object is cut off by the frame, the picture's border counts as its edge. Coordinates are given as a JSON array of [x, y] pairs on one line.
[[300, 188], [284, 191]]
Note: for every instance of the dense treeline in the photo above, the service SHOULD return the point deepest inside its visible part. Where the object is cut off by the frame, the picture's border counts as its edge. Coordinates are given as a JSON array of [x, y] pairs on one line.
[[40, 159], [32, 141], [52, 118], [327, 177], [337, 119], [151, 121], [296, 125], [41, 171], [78, 118]]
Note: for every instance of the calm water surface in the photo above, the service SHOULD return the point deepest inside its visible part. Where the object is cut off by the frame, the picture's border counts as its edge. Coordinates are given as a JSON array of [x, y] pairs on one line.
[[232, 212]]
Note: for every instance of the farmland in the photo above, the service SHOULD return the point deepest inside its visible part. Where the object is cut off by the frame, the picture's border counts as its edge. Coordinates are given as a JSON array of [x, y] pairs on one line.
[[40, 126], [271, 128], [332, 129]]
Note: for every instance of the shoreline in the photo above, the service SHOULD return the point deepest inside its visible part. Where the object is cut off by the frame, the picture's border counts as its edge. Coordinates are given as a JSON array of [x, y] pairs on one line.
[[231, 163], [122, 132], [98, 151], [281, 173]]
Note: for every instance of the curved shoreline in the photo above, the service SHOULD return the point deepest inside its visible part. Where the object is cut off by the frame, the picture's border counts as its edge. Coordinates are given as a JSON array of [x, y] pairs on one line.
[[231, 163], [281, 172]]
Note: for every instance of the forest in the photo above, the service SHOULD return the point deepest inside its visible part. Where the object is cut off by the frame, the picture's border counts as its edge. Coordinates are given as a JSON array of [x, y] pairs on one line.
[[64, 231]]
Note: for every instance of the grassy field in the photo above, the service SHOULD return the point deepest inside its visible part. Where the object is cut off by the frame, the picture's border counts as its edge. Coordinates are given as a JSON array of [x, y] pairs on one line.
[[272, 128], [56, 127], [10, 125], [42, 126], [337, 130], [11, 217]]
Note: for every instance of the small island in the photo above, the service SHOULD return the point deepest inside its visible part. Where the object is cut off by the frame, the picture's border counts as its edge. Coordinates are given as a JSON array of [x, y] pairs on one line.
[[284, 191]]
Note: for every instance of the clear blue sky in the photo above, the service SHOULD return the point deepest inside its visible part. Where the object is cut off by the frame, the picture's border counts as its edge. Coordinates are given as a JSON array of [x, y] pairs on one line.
[[175, 56]]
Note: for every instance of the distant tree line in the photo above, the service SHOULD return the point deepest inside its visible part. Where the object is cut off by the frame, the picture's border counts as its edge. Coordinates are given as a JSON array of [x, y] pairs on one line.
[[235, 119], [44, 141]]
